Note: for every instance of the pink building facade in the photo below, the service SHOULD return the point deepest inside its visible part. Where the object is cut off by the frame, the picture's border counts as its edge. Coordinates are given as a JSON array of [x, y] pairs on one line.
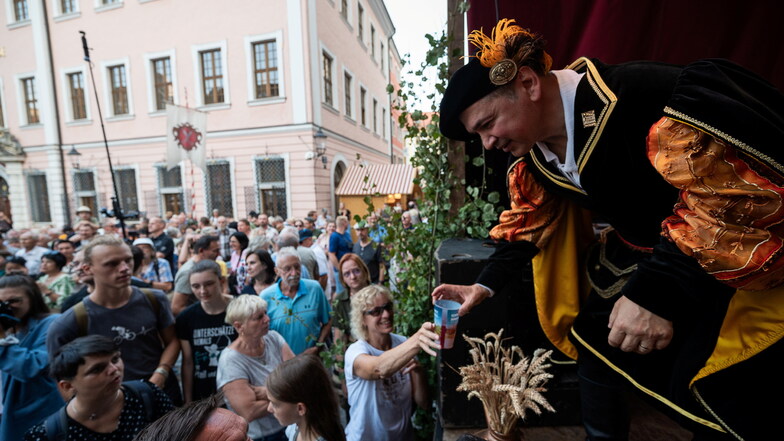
[[269, 74]]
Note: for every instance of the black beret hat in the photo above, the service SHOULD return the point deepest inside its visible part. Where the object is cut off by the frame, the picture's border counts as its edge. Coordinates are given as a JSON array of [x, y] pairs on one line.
[[468, 85]]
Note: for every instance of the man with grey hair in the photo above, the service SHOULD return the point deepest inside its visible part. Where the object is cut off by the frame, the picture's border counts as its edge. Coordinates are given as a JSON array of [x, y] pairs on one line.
[[297, 307], [164, 245], [31, 252], [307, 258]]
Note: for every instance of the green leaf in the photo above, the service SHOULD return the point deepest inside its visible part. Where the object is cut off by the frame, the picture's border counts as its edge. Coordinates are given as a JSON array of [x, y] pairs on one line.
[[478, 161]]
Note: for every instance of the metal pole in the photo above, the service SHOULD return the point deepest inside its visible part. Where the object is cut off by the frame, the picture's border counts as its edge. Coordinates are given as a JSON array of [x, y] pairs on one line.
[[116, 206]]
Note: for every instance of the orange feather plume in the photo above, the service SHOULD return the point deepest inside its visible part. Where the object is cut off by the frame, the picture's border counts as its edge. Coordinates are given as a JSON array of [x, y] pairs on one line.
[[492, 49]]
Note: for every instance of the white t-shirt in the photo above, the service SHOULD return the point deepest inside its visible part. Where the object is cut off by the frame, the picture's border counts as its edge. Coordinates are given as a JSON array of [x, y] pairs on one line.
[[380, 409], [233, 365]]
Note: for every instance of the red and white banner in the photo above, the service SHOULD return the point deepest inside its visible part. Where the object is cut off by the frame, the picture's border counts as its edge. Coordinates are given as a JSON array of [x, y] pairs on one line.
[[186, 136]]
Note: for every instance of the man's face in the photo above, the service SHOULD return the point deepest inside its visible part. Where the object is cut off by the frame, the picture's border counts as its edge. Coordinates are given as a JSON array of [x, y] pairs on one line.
[[149, 252], [263, 220], [222, 222], [307, 242], [211, 252], [405, 218], [224, 425], [363, 233], [508, 121], [156, 225], [289, 270], [84, 215], [86, 231], [111, 266], [66, 248], [243, 227], [27, 240]]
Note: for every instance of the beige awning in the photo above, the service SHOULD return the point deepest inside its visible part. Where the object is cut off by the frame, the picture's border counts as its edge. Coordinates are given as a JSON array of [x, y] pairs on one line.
[[377, 178]]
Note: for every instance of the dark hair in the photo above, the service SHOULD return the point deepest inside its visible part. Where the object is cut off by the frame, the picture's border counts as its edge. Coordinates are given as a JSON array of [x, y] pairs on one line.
[[266, 259], [57, 243], [182, 423], [242, 238], [38, 308], [303, 379], [57, 257], [204, 220], [203, 243], [19, 260], [138, 257], [69, 357], [204, 266]]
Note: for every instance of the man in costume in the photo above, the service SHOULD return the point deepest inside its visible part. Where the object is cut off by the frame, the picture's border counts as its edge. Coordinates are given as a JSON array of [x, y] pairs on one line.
[[683, 297]]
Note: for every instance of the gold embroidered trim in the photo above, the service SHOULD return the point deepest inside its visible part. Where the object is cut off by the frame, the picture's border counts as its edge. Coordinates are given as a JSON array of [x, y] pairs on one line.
[[557, 178], [644, 389], [724, 136], [710, 411]]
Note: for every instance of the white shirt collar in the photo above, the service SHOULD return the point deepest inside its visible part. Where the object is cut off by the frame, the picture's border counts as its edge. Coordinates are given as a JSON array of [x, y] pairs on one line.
[[567, 85]]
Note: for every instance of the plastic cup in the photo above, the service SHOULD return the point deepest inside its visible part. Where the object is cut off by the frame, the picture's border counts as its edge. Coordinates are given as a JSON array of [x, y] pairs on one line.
[[446, 322]]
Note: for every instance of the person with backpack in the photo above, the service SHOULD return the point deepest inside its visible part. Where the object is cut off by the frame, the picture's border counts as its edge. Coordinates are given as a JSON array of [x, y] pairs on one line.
[[140, 321], [89, 372]]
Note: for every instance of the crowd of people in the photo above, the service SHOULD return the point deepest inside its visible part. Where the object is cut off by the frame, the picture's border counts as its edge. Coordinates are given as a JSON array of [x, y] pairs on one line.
[[101, 335]]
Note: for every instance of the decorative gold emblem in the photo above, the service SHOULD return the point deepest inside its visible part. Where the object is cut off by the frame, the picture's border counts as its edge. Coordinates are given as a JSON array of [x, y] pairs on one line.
[[589, 119], [503, 72]]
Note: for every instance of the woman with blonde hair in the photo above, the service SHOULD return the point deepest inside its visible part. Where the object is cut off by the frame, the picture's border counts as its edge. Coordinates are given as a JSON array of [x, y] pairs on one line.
[[244, 365], [301, 397], [382, 374]]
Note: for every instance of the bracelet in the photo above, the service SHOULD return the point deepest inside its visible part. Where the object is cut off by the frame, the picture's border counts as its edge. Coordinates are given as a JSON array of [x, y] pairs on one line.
[[163, 372], [166, 365]]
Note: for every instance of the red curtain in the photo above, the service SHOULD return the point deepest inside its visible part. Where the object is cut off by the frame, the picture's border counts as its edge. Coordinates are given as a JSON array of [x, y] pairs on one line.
[[750, 32]]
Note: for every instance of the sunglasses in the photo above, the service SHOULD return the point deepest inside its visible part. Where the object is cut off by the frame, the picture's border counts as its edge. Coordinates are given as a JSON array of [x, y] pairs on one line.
[[378, 310]]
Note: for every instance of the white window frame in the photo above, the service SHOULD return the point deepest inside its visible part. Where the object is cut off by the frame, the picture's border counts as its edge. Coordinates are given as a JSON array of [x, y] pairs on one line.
[[11, 16], [230, 161], [349, 13], [335, 102], [107, 89], [374, 105], [3, 108], [150, 73], [66, 85], [286, 169], [353, 107], [59, 15], [251, 82], [360, 25], [196, 57], [87, 194], [169, 190], [100, 7], [20, 99]]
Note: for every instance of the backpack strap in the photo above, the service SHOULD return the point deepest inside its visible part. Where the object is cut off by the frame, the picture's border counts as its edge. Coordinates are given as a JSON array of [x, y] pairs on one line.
[[144, 391], [80, 313], [156, 306], [56, 425]]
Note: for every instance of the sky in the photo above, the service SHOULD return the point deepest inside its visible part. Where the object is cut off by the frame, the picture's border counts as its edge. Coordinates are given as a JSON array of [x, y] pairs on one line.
[[412, 20]]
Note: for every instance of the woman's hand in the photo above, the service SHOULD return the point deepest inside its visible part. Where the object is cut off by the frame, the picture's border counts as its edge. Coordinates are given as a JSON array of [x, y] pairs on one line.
[[427, 338]]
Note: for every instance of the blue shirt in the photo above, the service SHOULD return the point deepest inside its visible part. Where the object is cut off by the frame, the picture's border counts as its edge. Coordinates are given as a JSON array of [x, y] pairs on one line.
[[298, 320], [340, 244], [378, 234]]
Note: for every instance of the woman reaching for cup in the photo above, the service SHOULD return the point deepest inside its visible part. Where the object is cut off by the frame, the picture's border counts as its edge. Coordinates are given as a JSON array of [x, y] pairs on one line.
[[383, 378]]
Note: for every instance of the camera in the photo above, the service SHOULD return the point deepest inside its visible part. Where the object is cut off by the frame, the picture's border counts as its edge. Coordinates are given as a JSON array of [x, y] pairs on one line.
[[7, 319]]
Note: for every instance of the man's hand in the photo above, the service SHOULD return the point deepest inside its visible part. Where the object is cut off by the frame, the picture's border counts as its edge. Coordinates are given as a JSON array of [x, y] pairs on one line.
[[158, 380], [468, 295], [635, 329]]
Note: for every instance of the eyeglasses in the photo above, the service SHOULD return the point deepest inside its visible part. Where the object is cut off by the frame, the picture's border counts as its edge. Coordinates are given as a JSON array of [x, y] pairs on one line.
[[288, 269], [352, 272], [375, 312]]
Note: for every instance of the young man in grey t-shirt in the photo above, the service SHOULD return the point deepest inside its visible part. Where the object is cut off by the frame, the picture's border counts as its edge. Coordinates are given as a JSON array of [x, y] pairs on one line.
[[141, 324]]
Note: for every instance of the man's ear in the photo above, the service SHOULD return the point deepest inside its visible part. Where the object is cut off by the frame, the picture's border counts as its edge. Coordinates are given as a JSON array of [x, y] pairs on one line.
[[87, 268], [530, 82], [302, 409]]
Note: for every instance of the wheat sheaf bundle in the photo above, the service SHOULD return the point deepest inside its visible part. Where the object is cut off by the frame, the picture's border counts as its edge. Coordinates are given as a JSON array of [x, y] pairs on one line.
[[505, 381]]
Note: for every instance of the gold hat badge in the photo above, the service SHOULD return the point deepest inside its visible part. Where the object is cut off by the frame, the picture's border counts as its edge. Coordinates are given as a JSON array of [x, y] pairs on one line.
[[495, 51]]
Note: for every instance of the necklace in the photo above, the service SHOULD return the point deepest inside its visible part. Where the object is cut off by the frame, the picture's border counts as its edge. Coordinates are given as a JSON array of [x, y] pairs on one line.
[[94, 415]]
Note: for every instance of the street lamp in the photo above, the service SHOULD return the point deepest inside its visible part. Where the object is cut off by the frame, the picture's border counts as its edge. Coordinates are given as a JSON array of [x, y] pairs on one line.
[[74, 157], [320, 140]]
